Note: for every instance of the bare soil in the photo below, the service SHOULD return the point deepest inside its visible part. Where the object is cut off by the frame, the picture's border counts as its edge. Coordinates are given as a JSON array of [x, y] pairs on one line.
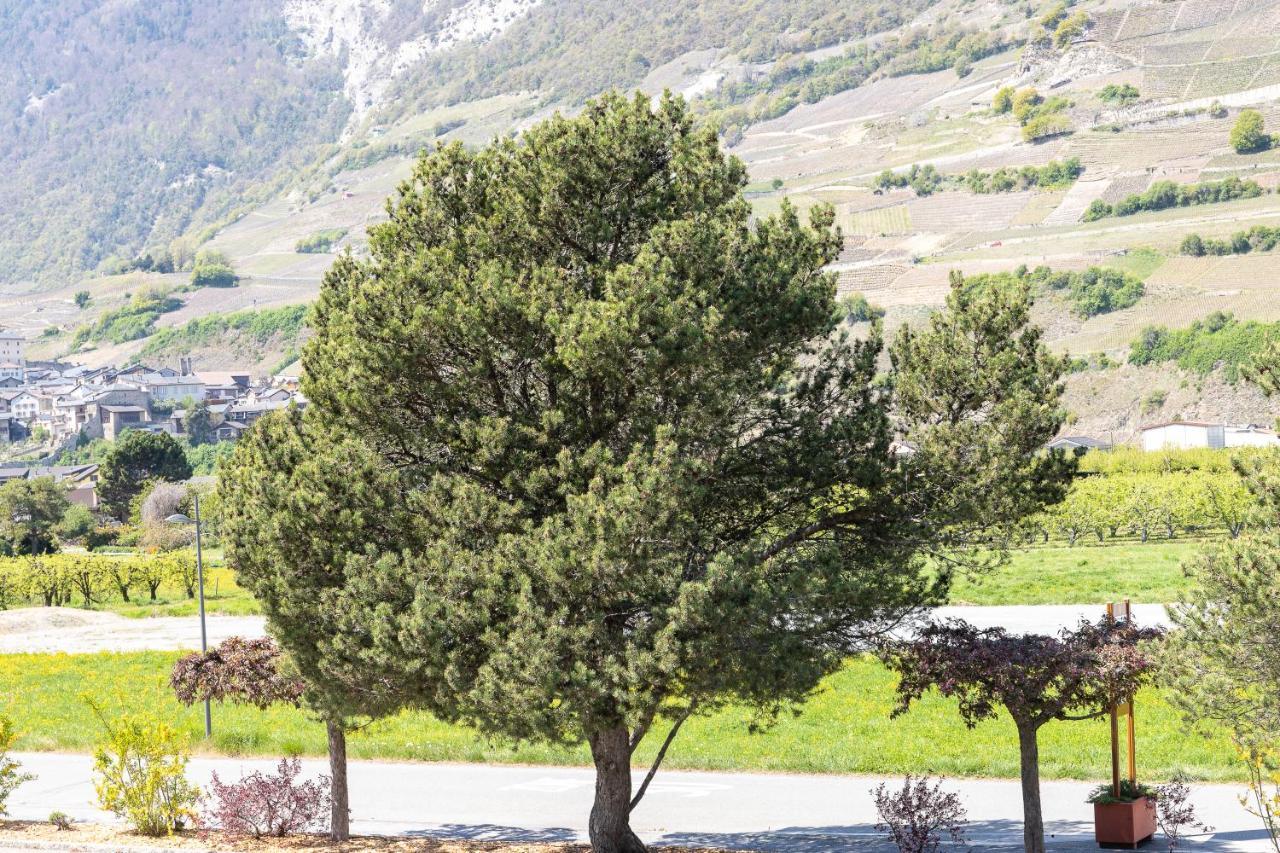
[[31, 835]]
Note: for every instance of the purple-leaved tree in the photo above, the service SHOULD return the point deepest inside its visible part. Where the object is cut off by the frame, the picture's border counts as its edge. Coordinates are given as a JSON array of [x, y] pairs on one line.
[[1077, 675]]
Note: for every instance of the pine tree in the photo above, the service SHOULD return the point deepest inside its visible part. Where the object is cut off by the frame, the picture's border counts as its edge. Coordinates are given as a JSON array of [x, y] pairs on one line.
[[618, 460]]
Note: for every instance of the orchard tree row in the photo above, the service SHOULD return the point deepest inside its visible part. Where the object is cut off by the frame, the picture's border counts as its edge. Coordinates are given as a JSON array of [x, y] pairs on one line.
[[1147, 505], [57, 580]]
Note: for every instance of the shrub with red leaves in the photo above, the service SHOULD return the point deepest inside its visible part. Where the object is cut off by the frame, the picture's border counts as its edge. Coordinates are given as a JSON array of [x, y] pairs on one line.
[[270, 804], [236, 670], [919, 815]]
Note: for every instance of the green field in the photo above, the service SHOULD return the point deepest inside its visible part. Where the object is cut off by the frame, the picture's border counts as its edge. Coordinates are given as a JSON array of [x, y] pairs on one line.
[[1148, 573], [845, 728]]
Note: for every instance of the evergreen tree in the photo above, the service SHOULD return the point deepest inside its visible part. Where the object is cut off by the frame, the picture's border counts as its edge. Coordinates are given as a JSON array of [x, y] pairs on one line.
[[134, 459], [30, 510], [199, 424], [618, 460]]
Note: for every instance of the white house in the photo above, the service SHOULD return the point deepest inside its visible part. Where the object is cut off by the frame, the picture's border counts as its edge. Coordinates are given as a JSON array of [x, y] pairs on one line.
[[23, 404], [1182, 435]]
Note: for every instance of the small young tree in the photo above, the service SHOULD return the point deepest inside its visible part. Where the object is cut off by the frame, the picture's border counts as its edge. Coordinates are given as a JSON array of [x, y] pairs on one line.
[[918, 816], [251, 672], [1077, 675]]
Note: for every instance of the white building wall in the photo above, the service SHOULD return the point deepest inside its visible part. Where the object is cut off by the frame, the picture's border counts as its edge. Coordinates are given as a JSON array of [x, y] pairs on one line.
[[12, 348], [1251, 438], [1175, 436]]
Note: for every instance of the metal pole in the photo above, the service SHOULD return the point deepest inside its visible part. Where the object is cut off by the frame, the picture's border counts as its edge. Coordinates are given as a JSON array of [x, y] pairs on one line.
[[204, 633]]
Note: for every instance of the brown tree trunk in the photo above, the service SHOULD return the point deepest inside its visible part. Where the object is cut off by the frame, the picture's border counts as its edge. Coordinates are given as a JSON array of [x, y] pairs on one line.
[[340, 816], [610, 824], [1032, 817]]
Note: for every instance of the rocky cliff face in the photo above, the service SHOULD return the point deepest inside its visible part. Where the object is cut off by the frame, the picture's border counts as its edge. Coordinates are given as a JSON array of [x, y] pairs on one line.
[[363, 36]]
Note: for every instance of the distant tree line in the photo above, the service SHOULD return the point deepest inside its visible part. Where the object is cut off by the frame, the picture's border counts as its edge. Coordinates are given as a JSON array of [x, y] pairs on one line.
[[1259, 238], [926, 179], [1165, 194]]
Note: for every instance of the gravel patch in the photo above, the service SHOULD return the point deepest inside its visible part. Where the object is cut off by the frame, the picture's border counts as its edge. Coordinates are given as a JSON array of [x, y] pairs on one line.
[[67, 629]]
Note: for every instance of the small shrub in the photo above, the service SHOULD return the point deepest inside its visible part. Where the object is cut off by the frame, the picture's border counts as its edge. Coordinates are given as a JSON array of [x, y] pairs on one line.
[[271, 804], [1154, 401], [918, 816], [60, 820], [1249, 134], [140, 765], [11, 775], [1119, 95], [1003, 100], [1175, 814], [213, 275], [1045, 126]]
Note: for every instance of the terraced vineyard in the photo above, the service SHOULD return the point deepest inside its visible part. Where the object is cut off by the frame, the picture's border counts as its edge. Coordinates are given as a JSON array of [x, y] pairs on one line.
[[1195, 64]]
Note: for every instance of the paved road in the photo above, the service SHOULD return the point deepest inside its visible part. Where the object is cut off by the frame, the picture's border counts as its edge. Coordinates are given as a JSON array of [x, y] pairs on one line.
[[65, 629], [777, 813]]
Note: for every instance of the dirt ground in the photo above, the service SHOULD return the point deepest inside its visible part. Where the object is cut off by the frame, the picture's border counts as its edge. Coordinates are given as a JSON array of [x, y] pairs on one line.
[[70, 630], [95, 837]]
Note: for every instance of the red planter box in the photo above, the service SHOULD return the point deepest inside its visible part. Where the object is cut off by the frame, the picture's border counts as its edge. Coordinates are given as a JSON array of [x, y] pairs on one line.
[[1124, 824]]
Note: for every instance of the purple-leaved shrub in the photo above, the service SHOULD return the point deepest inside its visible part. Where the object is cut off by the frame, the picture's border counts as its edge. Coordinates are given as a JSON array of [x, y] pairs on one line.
[[918, 816], [270, 804]]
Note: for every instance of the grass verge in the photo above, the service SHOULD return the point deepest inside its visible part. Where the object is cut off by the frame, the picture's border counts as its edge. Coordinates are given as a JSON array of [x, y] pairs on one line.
[[1144, 572], [844, 728]]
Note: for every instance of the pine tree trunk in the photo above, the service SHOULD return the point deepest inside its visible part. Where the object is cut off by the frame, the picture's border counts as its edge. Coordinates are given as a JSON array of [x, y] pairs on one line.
[[340, 816], [1032, 817], [610, 824]]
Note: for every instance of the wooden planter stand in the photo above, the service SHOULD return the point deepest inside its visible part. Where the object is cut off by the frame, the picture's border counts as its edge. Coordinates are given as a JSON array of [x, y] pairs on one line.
[[1124, 825]]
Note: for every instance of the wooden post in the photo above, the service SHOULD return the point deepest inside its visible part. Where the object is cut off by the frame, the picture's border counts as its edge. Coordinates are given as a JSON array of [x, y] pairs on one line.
[[1133, 748], [1115, 732], [1115, 754]]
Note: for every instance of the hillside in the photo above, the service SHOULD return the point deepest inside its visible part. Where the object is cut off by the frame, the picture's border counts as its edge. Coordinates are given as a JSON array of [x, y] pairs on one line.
[[818, 98]]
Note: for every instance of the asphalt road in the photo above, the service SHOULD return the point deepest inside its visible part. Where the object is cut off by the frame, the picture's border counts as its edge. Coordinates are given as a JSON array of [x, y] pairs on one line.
[[782, 813]]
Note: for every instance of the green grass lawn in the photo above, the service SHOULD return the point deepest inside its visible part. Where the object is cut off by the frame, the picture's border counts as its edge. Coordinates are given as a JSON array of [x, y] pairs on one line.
[[1142, 572], [845, 728]]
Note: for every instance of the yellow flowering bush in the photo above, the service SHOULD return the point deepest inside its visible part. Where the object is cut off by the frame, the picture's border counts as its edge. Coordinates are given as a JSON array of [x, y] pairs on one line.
[[140, 766], [11, 775]]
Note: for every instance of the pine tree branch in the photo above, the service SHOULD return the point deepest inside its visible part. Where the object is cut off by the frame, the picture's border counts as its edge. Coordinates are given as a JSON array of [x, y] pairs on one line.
[[662, 752]]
